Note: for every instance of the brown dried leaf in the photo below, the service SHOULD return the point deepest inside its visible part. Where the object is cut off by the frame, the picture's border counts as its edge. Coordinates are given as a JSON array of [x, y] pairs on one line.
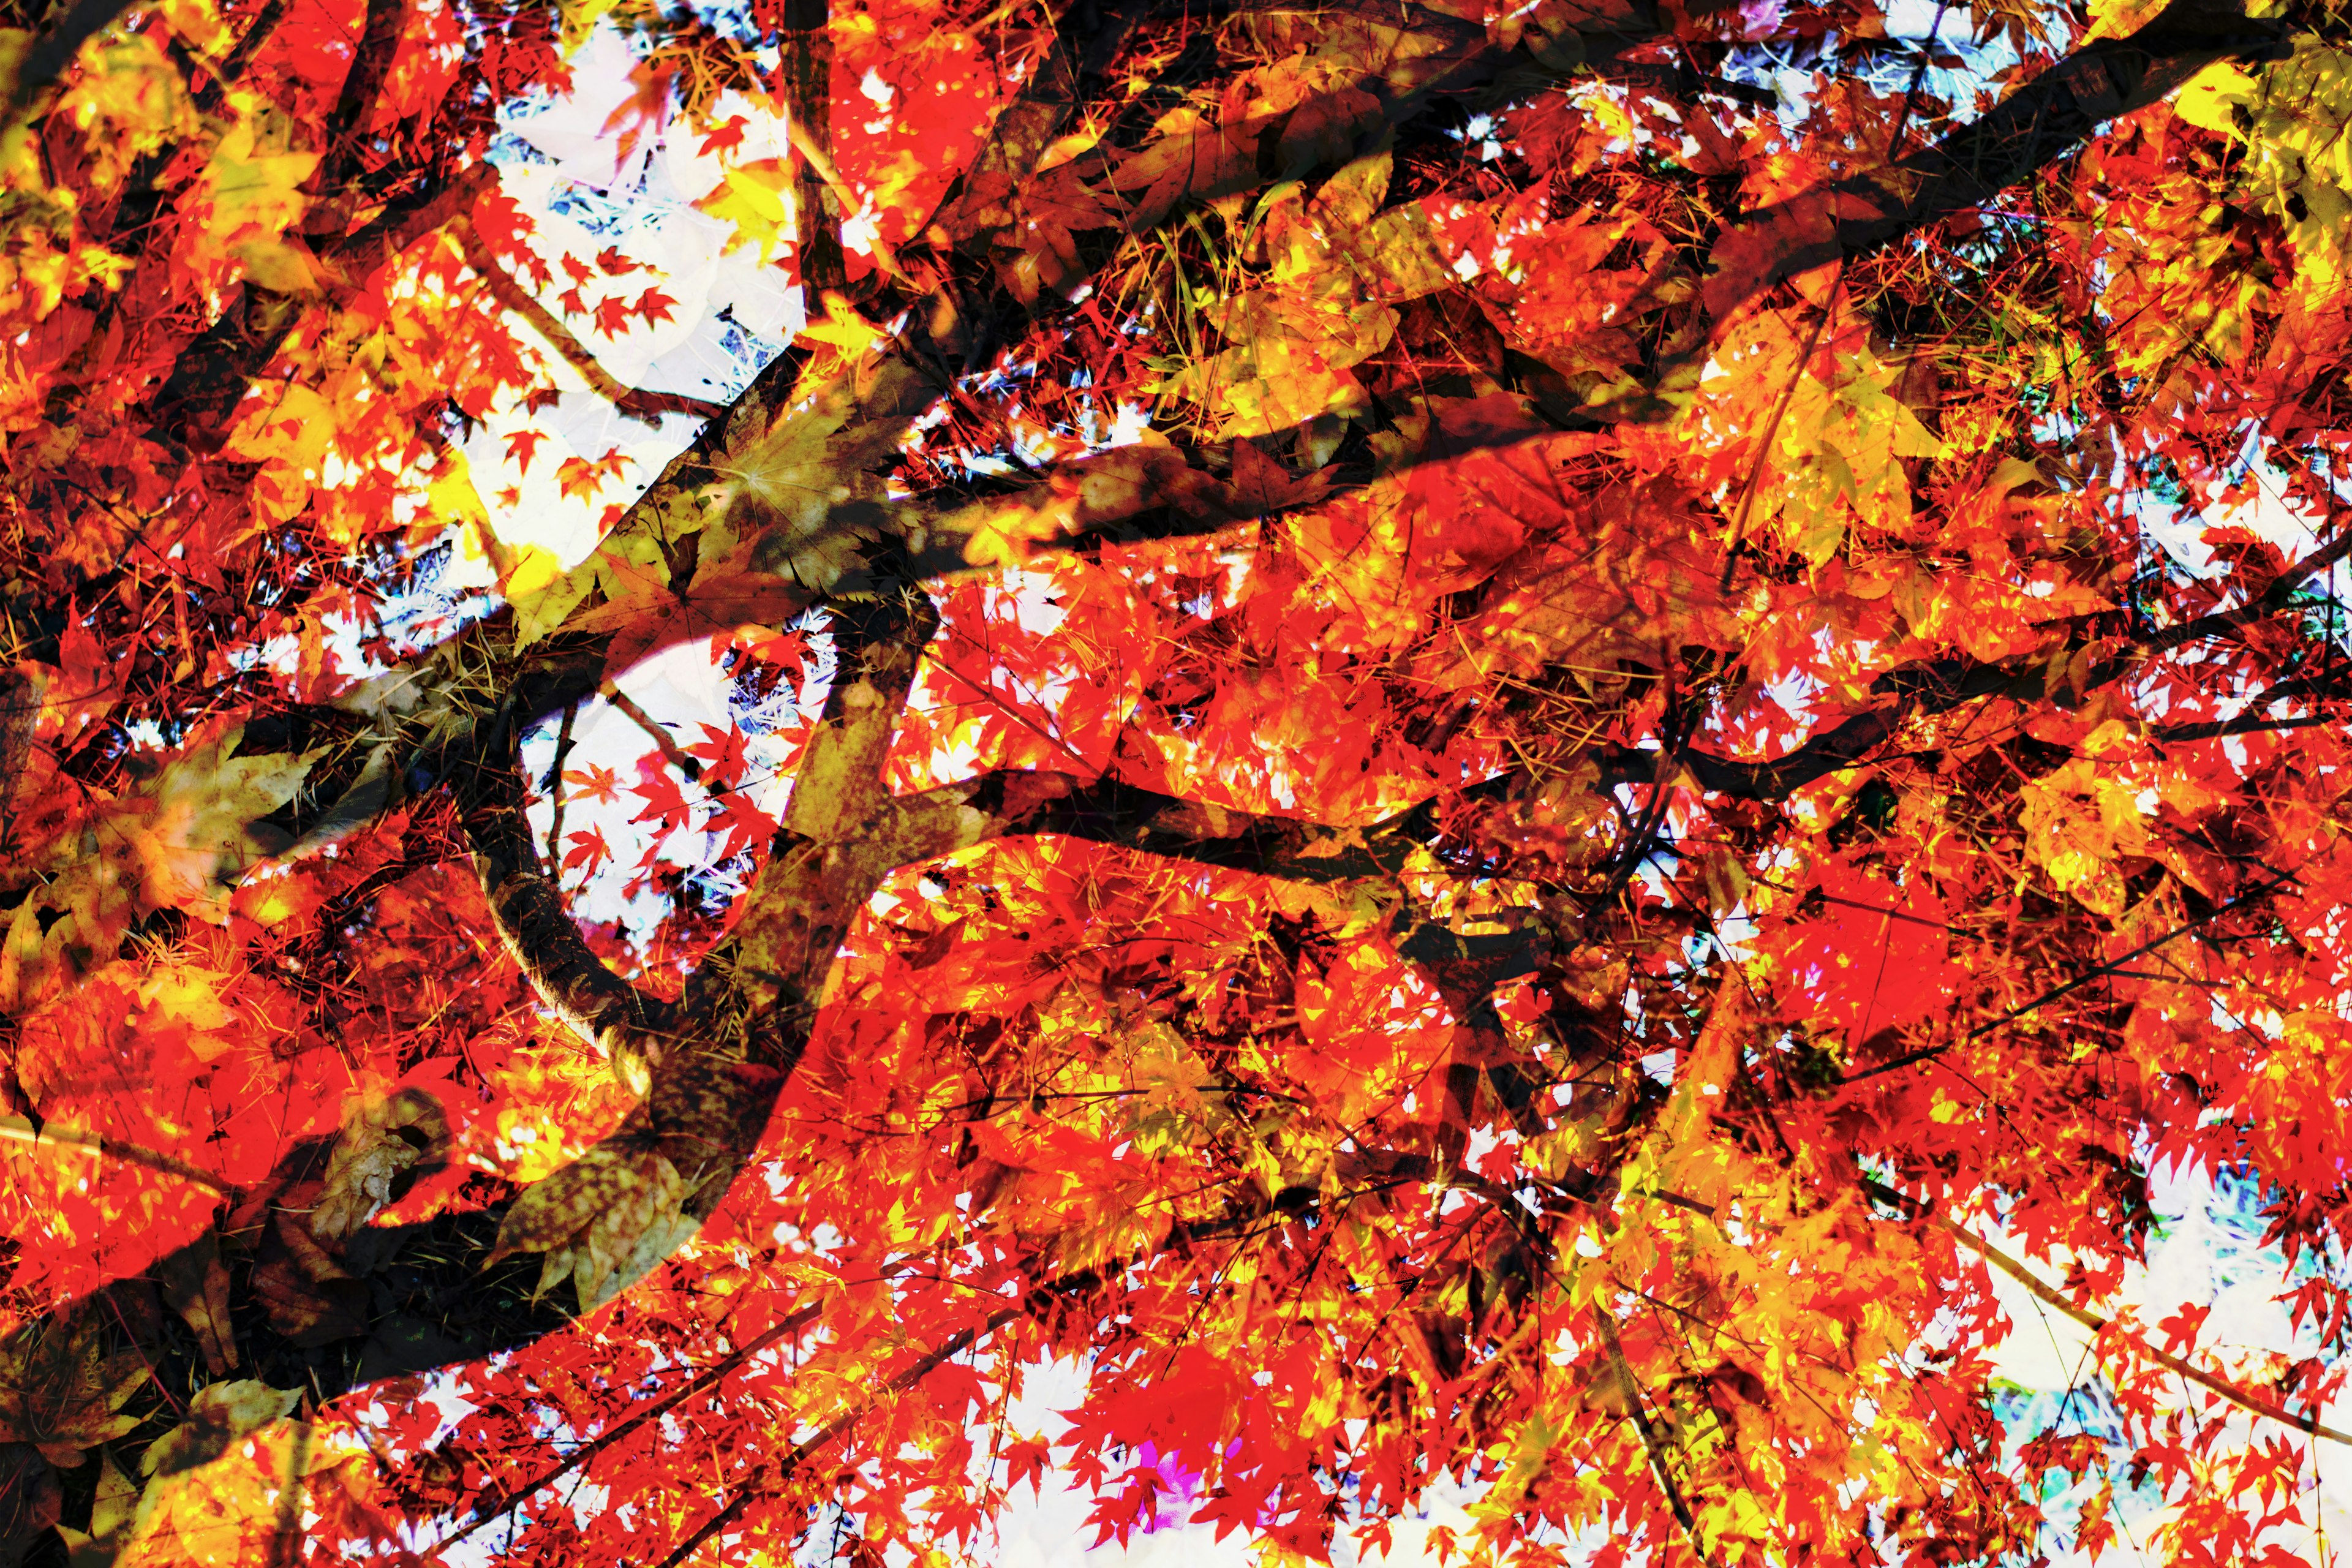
[[307, 1296], [60, 1390], [379, 1142], [194, 1282]]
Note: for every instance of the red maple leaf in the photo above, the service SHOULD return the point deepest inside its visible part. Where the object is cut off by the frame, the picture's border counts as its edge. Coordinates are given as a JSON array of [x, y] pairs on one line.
[[522, 445], [656, 306], [722, 753], [588, 851], [657, 787]]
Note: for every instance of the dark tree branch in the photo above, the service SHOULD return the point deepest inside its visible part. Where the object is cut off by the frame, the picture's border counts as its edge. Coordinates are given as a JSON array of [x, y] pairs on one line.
[[633, 1026], [808, 96], [371, 63], [2034, 126], [635, 401], [54, 50], [1018, 803]]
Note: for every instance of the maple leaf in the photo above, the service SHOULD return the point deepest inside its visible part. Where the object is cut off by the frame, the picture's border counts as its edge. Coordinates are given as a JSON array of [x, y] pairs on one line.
[[745, 824], [217, 1415], [724, 755], [723, 137], [522, 445], [601, 1221], [579, 476], [598, 785], [666, 803], [588, 851]]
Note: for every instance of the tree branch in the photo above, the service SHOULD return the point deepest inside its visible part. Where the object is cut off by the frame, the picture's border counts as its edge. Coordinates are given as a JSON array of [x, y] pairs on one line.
[[2034, 126], [371, 63], [54, 50], [1018, 803], [807, 47], [632, 1027], [645, 407], [2252, 1402], [1651, 1443], [49, 1136]]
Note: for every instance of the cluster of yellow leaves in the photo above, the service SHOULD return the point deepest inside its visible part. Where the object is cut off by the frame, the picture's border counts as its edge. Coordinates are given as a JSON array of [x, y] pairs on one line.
[[1337, 264], [1834, 447], [2295, 117], [337, 437], [243, 210], [555, 1097], [226, 1488]]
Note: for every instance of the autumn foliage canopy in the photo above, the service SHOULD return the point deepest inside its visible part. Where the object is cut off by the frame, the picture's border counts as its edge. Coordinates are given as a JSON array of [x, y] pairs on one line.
[[1475, 748]]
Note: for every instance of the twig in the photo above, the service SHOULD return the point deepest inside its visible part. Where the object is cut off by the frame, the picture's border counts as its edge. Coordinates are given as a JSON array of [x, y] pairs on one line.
[[639, 405], [2098, 1325], [555, 792], [2112, 966], [663, 740], [50, 1136], [1650, 1442]]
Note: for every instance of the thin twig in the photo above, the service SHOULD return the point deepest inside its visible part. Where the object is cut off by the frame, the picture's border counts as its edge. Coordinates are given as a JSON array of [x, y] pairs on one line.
[[50, 1136], [1650, 1442], [637, 404], [2098, 1325], [1928, 1053], [555, 793]]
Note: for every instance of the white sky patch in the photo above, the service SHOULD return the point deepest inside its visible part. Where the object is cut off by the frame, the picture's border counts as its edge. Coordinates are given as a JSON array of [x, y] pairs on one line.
[[1047, 1527], [578, 159], [684, 689], [2206, 1251], [2259, 503]]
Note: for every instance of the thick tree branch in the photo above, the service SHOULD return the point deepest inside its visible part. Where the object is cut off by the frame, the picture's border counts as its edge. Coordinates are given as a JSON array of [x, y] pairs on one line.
[[54, 50], [807, 47], [1018, 803], [631, 1026], [371, 63]]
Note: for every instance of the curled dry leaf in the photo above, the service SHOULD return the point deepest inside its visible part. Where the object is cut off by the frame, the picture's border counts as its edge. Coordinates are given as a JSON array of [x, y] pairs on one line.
[[195, 1284], [309, 1299], [380, 1140]]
